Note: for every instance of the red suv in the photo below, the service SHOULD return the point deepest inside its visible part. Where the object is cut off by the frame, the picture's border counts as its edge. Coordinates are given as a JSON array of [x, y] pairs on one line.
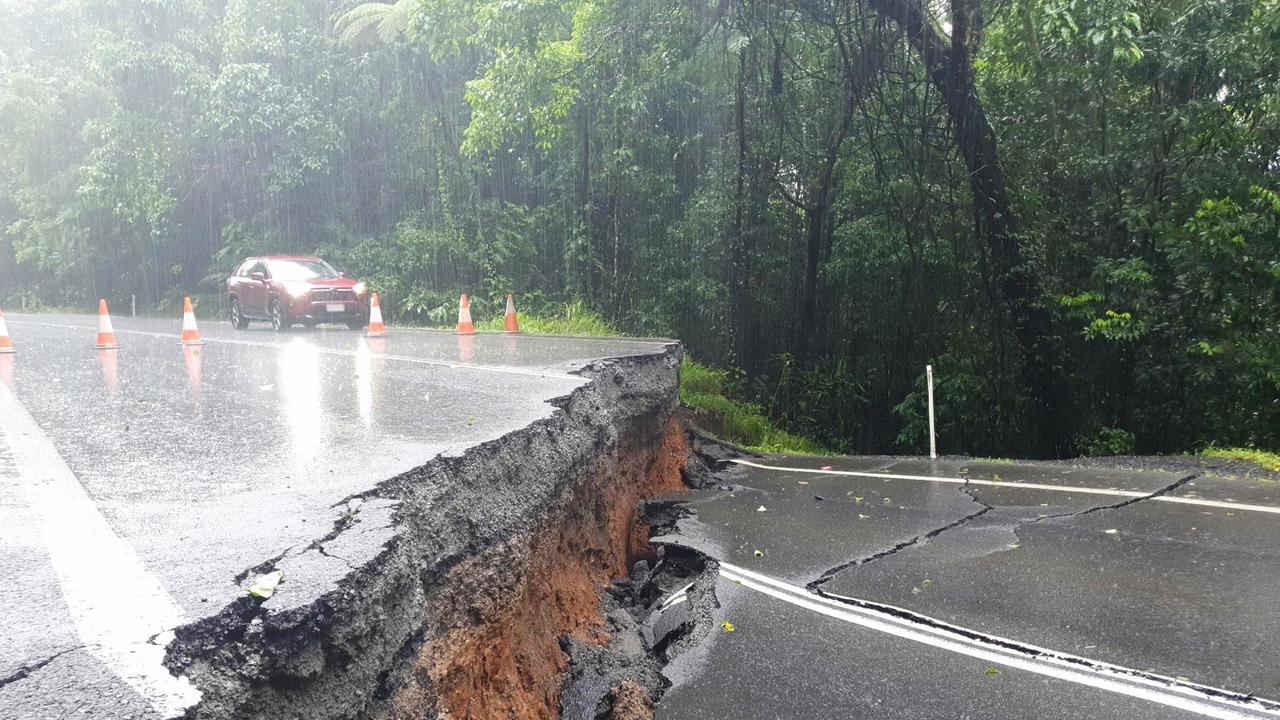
[[286, 290]]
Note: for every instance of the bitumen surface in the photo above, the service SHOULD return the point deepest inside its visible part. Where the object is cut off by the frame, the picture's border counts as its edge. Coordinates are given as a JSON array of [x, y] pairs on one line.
[[141, 487], [907, 588]]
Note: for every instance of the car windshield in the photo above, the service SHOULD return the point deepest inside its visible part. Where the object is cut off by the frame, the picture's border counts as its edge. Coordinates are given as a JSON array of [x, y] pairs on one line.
[[301, 269]]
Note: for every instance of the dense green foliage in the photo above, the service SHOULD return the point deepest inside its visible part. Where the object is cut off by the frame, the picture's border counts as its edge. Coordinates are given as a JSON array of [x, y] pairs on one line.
[[1267, 460], [708, 392], [1069, 207]]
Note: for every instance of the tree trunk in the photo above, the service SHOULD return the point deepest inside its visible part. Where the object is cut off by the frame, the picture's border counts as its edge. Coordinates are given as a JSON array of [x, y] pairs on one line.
[[950, 69], [739, 312]]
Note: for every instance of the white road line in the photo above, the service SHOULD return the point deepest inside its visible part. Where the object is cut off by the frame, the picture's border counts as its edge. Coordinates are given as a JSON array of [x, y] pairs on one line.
[[1191, 697], [116, 604], [331, 351], [1181, 500]]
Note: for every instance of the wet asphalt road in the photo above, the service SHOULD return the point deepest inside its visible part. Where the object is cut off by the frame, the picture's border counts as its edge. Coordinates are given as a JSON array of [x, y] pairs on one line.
[[1084, 567], [138, 486]]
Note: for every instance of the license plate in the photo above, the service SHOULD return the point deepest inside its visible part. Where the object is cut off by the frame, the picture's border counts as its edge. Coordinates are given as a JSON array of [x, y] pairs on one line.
[[335, 307]]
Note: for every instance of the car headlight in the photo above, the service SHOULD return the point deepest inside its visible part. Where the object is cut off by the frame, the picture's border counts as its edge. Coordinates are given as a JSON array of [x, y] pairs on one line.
[[360, 288], [297, 290]]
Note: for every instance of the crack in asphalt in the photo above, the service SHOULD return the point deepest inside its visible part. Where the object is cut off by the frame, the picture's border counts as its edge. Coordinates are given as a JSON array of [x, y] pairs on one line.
[[323, 551], [966, 488], [1124, 503], [26, 670], [917, 540]]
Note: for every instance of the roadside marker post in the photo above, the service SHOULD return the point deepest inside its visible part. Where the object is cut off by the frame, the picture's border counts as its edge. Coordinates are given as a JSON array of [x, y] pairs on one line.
[[933, 438]]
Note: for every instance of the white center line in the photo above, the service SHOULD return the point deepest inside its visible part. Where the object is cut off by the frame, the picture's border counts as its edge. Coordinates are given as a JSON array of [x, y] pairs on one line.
[[1025, 486], [117, 605], [1199, 699]]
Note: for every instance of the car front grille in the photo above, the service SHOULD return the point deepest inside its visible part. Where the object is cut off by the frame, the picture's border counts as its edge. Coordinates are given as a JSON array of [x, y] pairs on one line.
[[332, 295]]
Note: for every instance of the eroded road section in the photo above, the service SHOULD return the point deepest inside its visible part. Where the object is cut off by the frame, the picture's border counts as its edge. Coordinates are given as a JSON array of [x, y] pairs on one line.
[[143, 489], [891, 588]]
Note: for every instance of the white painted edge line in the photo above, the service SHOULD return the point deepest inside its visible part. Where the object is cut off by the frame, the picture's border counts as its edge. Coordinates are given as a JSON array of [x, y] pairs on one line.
[[675, 598], [116, 604], [332, 351], [1025, 486], [1166, 691]]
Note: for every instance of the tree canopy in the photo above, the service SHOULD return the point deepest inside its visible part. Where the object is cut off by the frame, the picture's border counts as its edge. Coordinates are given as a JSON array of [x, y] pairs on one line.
[[1071, 208]]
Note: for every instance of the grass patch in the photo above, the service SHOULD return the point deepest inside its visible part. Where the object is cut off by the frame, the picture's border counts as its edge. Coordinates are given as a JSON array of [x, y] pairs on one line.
[[1268, 460], [571, 318], [704, 388]]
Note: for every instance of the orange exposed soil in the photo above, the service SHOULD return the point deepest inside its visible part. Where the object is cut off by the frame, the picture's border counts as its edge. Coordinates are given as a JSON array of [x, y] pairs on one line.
[[497, 655]]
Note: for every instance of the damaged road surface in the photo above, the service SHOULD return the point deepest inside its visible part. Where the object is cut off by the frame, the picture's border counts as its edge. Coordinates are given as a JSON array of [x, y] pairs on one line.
[[442, 511], [894, 588], [494, 526]]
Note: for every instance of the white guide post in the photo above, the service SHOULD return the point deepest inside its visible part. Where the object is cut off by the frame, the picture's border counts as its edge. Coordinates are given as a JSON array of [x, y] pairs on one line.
[[933, 438]]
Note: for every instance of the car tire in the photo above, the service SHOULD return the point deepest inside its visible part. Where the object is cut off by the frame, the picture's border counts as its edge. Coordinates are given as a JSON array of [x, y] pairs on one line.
[[309, 324], [279, 316], [238, 320], [355, 324]]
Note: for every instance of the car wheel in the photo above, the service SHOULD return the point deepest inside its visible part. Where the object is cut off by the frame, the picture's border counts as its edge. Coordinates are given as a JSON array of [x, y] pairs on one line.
[[355, 324], [309, 324], [238, 320], [279, 316]]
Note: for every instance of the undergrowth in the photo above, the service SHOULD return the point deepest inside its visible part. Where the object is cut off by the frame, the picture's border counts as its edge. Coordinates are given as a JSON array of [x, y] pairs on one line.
[[1268, 460], [706, 389], [571, 318]]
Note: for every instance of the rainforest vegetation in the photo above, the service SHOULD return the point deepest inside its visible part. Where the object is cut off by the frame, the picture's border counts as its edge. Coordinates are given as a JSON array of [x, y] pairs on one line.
[[1070, 208]]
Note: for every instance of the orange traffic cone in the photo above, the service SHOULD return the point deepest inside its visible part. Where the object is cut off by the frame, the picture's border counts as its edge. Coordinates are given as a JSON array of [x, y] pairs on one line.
[[106, 334], [510, 323], [6, 344], [465, 326], [376, 328], [190, 335]]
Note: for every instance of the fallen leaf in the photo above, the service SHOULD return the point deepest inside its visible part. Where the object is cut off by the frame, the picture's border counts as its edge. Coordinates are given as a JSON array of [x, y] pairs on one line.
[[728, 626], [264, 586], [887, 501], [802, 482], [857, 499], [992, 670], [926, 581], [759, 553], [825, 467], [761, 509], [915, 591], [863, 517], [1112, 531]]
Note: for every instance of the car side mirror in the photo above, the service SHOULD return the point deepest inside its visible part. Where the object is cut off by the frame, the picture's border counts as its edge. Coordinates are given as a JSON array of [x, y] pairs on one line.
[[342, 273], [260, 277]]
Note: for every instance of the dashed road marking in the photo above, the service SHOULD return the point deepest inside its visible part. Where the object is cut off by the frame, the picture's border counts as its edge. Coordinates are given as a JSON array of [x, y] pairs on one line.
[[1191, 697], [117, 605], [1176, 499]]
